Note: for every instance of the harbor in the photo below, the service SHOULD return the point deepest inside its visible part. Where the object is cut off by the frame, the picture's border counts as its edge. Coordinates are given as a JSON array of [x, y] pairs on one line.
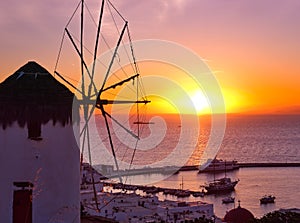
[[254, 184]]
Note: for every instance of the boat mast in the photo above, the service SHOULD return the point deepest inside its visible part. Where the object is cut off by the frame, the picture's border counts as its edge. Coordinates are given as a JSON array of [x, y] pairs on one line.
[[214, 169], [181, 183], [225, 168]]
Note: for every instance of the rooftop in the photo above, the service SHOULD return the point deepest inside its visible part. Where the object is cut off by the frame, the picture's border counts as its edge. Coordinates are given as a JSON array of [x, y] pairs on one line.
[[32, 93]]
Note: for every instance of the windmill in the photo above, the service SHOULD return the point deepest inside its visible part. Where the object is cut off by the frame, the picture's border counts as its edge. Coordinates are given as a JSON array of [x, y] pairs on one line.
[[92, 93]]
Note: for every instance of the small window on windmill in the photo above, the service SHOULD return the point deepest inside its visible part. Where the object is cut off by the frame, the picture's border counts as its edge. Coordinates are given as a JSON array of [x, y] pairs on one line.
[[34, 130]]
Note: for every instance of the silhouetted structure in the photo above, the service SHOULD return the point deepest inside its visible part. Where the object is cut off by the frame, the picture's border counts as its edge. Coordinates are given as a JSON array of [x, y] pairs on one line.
[[39, 161], [239, 215]]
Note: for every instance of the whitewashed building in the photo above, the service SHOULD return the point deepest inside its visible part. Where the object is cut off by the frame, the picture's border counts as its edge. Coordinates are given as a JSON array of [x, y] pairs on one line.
[[39, 157]]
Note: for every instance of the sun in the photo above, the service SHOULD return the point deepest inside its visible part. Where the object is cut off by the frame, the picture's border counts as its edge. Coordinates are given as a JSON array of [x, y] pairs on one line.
[[200, 102]]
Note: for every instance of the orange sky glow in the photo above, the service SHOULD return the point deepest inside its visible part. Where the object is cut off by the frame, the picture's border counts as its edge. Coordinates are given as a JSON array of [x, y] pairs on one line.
[[252, 47]]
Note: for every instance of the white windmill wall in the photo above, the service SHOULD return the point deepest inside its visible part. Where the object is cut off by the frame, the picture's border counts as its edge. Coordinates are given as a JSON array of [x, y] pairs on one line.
[[51, 164]]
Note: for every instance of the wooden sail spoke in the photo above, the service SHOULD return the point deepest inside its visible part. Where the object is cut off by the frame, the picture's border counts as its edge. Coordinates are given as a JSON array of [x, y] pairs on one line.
[[143, 123], [114, 55], [96, 47], [120, 83], [82, 59], [69, 83], [100, 102], [107, 102], [122, 126]]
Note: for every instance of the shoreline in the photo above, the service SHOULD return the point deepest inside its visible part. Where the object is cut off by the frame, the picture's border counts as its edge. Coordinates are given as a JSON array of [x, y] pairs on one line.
[[174, 169]]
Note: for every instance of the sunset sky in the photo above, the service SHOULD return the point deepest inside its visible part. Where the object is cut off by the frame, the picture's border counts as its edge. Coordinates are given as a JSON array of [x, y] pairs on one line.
[[252, 47]]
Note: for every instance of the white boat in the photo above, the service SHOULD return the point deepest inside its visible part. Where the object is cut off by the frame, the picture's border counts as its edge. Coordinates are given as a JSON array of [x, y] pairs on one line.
[[267, 199], [218, 165], [228, 200]]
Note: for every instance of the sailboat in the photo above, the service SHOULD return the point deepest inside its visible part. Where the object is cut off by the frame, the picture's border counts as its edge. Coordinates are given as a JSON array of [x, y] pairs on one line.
[[182, 192], [221, 185]]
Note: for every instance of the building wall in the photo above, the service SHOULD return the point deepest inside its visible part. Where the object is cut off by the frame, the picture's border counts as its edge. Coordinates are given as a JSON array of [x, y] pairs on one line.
[[51, 164]]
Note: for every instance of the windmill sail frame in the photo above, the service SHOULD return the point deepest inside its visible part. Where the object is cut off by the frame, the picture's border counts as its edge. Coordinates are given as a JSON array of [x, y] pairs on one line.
[[88, 100]]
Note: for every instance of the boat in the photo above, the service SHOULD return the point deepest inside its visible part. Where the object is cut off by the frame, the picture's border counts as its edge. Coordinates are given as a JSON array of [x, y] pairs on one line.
[[267, 199], [219, 165], [182, 193], [228, 200], [169, 191], [221, 185], [198, 194]]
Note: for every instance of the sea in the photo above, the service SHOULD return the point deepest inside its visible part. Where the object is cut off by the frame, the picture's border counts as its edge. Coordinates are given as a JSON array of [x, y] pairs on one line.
[[173, 140]]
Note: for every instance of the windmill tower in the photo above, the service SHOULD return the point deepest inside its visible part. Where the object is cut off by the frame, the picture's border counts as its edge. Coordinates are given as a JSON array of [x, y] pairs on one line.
[[39, 159]]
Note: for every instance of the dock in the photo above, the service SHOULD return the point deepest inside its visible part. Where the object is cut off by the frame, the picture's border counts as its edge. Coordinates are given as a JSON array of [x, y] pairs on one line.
[[145, 170], [247, 165], [154, 189], [250, 165]]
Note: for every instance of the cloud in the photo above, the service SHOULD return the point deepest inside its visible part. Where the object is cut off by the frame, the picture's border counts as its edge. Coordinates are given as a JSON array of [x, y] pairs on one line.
[[154, 10]]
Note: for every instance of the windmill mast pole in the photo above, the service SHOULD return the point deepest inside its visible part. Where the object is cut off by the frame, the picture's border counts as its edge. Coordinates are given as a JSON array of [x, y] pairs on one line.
[[137, 107], [86, 106], [81, 47]]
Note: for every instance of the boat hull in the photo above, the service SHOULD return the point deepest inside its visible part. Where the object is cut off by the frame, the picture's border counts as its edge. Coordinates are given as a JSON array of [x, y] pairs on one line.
[[267, 200], [221, 187], [220, 166], [228, 200]]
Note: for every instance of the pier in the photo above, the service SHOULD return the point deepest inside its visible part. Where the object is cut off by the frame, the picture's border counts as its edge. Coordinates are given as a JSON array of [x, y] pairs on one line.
[[145, 170], [248, 165], [174, 169], [154, 190]]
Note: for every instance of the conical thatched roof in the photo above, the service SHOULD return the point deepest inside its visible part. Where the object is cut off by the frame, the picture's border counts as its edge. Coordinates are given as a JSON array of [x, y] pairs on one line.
[[33, 94]]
